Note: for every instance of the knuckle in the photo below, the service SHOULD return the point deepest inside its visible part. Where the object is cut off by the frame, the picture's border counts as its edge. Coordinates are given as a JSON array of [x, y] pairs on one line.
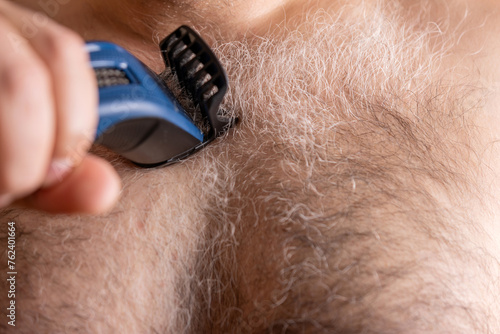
[[63, 45], [23, 77]]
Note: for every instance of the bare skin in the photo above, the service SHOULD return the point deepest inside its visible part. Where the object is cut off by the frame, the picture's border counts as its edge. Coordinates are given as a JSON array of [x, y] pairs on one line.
[[367, 205]]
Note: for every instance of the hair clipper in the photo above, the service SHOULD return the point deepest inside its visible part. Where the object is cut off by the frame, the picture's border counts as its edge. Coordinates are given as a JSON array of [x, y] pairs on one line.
[[139, 117]]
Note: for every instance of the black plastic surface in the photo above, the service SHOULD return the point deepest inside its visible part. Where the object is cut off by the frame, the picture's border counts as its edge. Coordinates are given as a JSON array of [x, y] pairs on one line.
[[148, 141], [199, 72]]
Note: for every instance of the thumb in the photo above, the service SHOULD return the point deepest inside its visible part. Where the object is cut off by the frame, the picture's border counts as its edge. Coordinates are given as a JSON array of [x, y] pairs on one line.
[[92, 187]]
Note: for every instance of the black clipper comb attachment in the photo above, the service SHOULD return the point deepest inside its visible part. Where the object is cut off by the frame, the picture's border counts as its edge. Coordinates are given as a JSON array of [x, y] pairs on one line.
[[200, 74]]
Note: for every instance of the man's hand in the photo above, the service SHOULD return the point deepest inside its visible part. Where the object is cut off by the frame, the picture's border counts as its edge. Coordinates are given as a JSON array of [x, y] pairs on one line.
[[48, 116]]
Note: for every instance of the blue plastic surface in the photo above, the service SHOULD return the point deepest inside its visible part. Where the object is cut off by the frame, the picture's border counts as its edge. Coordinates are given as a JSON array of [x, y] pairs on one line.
[[145, 96]]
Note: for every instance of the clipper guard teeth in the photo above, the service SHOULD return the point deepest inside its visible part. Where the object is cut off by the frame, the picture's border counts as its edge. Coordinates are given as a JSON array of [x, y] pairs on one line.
[[199, 73]]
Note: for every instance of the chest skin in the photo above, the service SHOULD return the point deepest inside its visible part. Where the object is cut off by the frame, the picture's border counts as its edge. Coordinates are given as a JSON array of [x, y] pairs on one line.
[[131, 234], [476, 55]]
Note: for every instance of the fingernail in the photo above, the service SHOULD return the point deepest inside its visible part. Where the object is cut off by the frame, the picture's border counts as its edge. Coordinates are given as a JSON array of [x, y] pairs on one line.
[[58, 169], [5, 200]]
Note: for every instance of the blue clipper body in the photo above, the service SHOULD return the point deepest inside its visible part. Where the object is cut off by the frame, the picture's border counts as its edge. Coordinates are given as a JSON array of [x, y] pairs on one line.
[[139, 118]]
